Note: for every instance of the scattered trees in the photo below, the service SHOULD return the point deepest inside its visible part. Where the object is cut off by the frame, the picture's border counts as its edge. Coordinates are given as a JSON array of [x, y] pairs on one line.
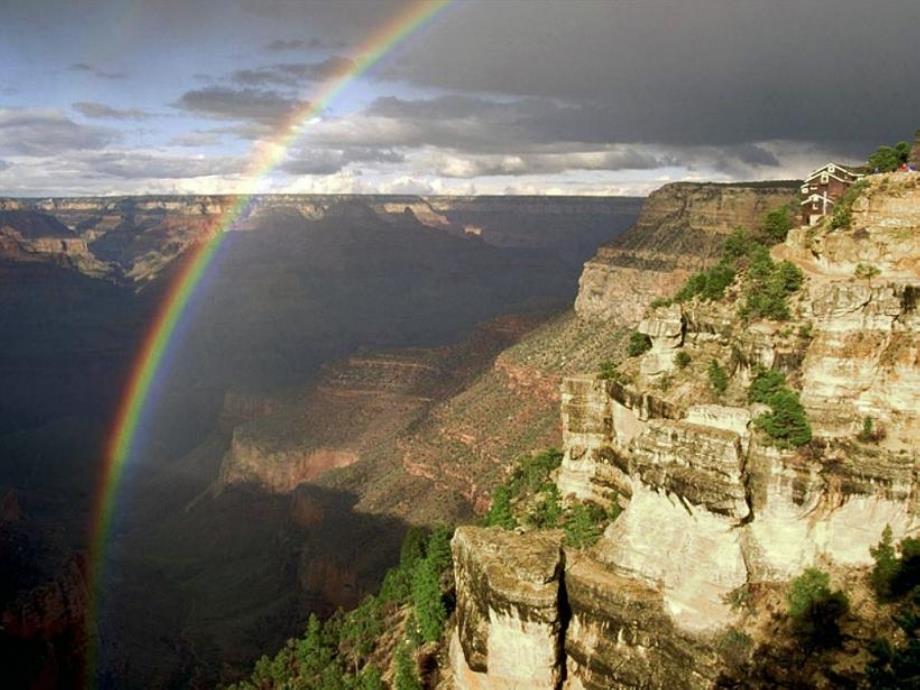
[[333, 655], [896, 579], [889, 158]]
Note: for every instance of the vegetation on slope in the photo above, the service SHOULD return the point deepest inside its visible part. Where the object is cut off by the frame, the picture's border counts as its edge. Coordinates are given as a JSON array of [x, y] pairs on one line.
[[785, 423], [343, 652], [765, 284], [530, 499]]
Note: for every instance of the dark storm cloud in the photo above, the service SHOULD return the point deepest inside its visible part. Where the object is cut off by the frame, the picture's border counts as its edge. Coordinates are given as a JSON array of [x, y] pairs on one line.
[[294, 73], [47, 132], [327, 161], [260, 106], [692, 73], [106, 112]]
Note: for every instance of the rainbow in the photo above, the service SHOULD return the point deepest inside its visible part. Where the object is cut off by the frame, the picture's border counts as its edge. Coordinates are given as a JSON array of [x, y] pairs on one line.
[[264, 159]]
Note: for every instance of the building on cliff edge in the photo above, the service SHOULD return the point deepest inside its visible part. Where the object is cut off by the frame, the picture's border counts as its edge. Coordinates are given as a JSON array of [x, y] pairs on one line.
[[822, 188]]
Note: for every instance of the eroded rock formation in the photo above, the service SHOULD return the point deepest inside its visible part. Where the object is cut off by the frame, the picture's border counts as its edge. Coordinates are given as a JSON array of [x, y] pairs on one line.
[[713, 506], [679, 231]]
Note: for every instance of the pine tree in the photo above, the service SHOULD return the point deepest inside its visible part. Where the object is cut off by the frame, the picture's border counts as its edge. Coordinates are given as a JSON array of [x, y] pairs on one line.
[[886, 565], [500, 513], [406, 676], [427, 600]]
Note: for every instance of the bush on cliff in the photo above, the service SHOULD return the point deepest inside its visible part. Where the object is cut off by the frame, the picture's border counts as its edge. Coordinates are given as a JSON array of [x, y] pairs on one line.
[[767, 286], [896, 579], [427, 601], [639, 344], [709, 285], [548, 511], [766, 382], [786, 422], [718, 379], [500, 513], [777, 225], [406, 676], [584, 525], [816, 610]]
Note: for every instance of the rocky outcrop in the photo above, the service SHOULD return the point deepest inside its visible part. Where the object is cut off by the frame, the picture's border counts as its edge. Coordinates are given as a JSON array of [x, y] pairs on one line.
[[714, 507], [509, 617], [679, 231]]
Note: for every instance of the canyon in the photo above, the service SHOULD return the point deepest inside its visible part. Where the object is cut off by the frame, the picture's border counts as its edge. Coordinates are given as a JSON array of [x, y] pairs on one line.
[[329, 332]]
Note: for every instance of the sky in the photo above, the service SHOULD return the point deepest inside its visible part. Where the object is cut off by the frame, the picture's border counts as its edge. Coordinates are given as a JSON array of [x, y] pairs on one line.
[[489, 97]]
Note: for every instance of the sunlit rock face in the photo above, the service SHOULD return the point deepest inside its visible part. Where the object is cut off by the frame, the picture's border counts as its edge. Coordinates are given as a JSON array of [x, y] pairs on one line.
[[679, 231], [712, 504], [509, 617], [621, 636]]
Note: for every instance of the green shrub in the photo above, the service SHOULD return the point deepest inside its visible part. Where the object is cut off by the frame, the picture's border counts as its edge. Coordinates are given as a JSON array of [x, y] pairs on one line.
[[786, 422], [866, 272], [532, 471], [816, 610], [639, 344], [841, 217], [427, 601], [870, 431], [370, 679], [767, 286], [583, 525], [609, 371], [500, 513], [437, 549], [682, 359], [738, 245], [718, 379], [660, 302], [889, 158], [548, 512], [777, 224], [766, 382], [843, 213], [734, 646], [886, 565], [406, 675], [708, 285]]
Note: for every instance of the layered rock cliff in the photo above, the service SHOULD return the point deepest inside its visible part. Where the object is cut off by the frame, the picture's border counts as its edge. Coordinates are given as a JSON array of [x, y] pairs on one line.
[[679, 231], [715, 507], [136, 238]]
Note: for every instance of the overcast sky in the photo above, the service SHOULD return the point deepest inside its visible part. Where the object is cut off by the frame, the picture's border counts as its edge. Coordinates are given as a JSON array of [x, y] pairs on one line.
[[490, 96]]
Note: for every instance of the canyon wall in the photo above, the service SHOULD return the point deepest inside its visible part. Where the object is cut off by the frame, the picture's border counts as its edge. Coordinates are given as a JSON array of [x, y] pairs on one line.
[[713, 508], [678, 232]]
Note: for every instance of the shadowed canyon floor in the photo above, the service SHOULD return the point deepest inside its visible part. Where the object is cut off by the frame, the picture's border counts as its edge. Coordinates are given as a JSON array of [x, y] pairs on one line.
[[329, 330]]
